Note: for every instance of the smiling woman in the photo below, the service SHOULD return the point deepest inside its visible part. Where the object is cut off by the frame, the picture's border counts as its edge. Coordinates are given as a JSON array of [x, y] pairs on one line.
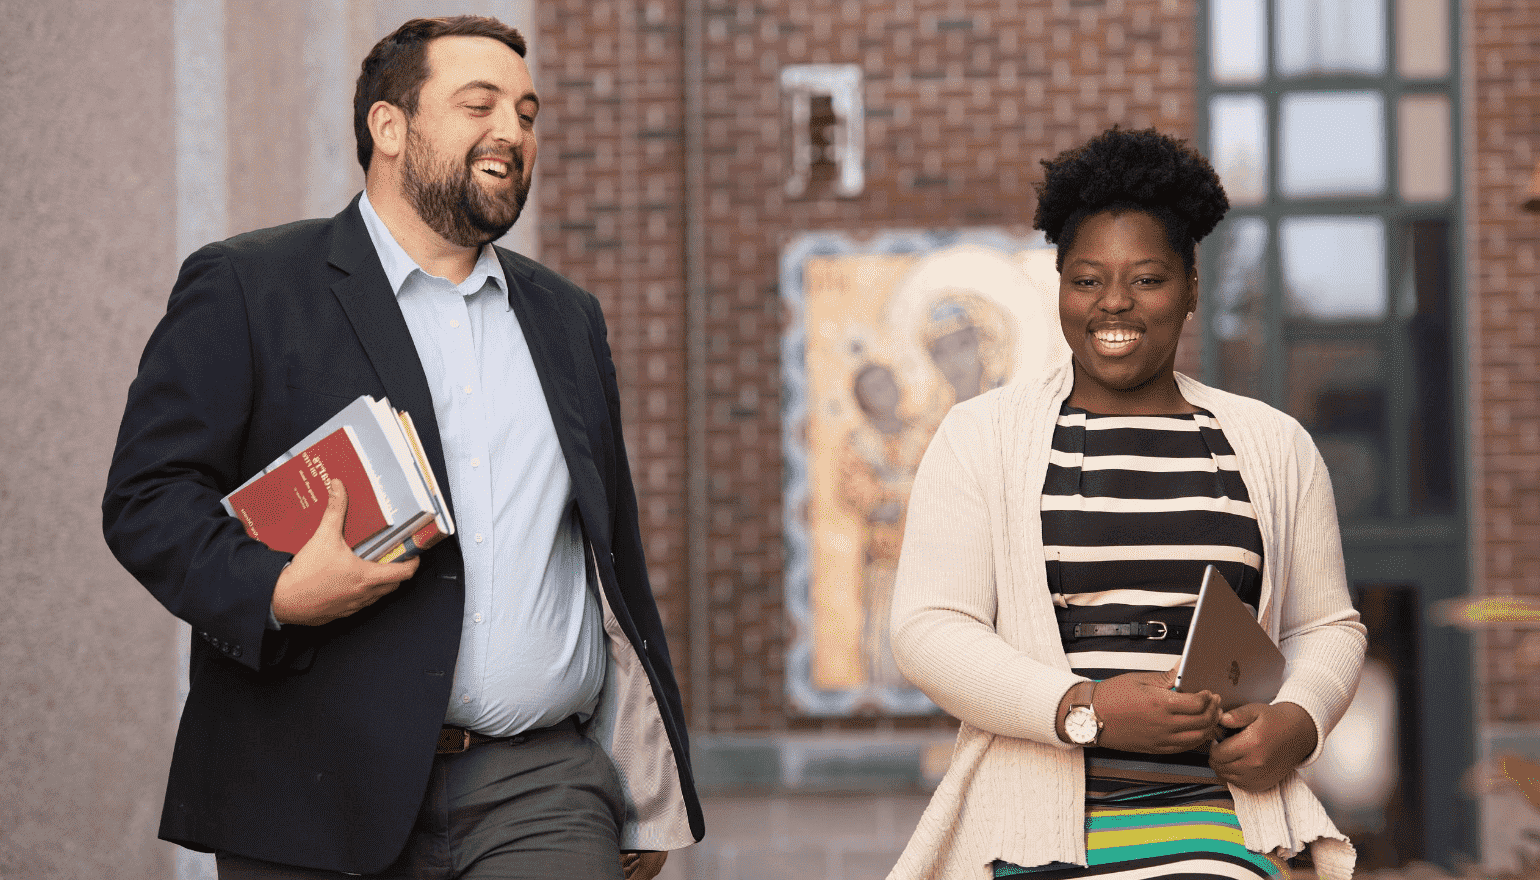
[[1070, 515], [1127, 210], [1123, 297]]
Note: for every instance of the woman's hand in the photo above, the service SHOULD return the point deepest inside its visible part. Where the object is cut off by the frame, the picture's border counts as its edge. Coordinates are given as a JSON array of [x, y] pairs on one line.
[[1271, 740], [1141, 713]]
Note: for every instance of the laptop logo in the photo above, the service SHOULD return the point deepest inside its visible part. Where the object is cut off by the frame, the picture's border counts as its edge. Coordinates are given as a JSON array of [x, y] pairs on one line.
[[1235, 672]]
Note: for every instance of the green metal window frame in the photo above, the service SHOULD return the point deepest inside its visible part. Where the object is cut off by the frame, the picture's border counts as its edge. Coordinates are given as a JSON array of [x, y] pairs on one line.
[[1395, 214], [1447, 704]]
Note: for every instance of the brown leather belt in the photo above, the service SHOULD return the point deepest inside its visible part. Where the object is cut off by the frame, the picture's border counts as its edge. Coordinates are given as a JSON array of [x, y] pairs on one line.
[[454, 740]]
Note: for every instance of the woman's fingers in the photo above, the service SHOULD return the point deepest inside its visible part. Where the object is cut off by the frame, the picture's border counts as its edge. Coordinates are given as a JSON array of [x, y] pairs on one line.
[[1142, 714]]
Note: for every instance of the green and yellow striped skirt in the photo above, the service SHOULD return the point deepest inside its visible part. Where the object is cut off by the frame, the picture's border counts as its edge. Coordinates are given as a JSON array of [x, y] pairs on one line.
[[1145, 822]]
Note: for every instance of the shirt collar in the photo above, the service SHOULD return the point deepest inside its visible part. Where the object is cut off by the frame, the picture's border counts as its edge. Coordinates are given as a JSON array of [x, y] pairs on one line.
[[399, 265]]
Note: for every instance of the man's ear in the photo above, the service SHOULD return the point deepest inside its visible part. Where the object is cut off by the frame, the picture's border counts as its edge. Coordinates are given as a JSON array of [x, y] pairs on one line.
[[387, 126]]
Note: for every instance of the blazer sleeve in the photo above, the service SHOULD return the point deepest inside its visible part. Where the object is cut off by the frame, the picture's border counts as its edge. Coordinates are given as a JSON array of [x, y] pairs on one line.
[[178, 453]]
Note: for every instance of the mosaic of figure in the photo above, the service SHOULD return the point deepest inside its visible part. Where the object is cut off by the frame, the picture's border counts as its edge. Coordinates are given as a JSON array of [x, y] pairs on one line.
[[888, 335], [968, 338], [877, 468]]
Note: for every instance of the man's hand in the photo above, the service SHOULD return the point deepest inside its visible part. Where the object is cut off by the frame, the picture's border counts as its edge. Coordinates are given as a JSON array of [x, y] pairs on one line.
[[644, 865], [1272, 740], [1141, 713], [326, 581]]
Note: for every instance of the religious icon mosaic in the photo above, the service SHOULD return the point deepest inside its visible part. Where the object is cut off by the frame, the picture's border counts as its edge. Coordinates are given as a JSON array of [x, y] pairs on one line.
[[883, 336]]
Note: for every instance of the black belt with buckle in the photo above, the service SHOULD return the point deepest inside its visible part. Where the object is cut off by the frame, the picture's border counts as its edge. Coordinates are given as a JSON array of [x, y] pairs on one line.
[[1154, 630]]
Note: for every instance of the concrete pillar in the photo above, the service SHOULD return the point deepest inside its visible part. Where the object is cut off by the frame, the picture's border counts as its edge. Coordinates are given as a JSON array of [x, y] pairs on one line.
[[87, 255], [132, 132]]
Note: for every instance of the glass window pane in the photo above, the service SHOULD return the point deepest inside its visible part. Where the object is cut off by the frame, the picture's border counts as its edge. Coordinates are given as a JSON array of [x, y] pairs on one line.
[[1238, 145], [1336, 389], [1333, 268], [1332, 144], [1238, 304], [1426, 169], [1422, 38], [1317, 37], [1238, 41], [1433, 471]]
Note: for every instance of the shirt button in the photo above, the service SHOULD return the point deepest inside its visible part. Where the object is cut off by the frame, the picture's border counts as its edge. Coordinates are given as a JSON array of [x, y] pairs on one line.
[[475, 462], [465, 699], [478, 537], [467, 389], [476, 617], [454, 323]]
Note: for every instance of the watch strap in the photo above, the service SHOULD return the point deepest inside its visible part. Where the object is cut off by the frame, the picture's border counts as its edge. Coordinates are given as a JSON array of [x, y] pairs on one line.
[[1089, 705]]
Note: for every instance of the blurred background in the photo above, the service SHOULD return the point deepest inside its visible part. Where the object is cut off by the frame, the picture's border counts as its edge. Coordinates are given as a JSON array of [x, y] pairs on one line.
[[808, 223]]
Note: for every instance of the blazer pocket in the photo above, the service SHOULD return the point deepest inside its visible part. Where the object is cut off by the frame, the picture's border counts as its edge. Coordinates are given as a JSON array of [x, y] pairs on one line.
[[343, 384]]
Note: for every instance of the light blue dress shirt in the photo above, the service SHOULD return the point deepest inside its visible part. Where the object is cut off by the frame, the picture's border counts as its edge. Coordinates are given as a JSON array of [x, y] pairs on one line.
[[532, 648]]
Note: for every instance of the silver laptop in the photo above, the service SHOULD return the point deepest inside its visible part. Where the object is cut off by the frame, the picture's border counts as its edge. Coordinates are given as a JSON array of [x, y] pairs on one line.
[[1227, 651]]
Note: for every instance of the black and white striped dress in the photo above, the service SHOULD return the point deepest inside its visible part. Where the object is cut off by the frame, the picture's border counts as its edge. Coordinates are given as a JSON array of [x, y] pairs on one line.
[[1133, 509]]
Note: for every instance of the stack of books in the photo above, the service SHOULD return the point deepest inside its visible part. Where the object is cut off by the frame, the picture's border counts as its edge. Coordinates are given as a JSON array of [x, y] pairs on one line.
[[395, 509]]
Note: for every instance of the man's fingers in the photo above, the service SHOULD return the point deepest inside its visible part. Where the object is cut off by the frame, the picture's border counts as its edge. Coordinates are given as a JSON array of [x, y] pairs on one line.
[[336, 508], [376, 591], [327, 580], [646, 865], [404, 570], [376, 580], [392, 573]]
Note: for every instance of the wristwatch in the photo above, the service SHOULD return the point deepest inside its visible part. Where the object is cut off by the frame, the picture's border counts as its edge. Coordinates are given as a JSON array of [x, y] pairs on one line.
[[1081, 724]]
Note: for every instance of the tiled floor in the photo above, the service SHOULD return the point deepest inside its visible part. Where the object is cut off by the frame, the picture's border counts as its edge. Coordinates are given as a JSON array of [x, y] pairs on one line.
[[799, 837]]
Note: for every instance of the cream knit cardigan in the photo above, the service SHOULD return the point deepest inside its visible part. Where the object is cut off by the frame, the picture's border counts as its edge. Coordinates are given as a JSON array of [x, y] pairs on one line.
[[974, 628]]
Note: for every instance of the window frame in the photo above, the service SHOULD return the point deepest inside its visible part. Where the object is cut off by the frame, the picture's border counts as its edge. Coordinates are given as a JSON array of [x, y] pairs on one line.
[[1429, 554], [1394, 212]]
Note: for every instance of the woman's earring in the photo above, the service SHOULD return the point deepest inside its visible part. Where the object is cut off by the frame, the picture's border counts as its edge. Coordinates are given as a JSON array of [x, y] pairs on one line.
[[1189, 316]]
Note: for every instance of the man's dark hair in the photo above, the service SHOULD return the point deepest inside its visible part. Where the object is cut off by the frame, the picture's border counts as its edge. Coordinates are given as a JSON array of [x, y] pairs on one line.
[[1131, 170], [397, 66]]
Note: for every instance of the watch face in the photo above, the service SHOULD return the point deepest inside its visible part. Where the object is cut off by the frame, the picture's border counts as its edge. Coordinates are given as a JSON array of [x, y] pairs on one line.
[[1081, 725]]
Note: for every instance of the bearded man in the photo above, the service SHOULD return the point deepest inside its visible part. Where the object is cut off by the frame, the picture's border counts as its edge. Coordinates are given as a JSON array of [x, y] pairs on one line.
[[502, 706]]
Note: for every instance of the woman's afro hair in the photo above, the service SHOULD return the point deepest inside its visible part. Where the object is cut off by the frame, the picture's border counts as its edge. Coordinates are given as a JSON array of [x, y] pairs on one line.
[[1131, 170]]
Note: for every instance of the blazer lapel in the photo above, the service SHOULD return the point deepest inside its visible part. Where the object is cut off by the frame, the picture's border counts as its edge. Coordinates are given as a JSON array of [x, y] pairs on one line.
[[371, 307], [551, 332]]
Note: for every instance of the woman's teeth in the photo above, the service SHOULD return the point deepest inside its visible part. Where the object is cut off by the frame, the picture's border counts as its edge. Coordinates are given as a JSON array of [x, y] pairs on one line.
[[1116, 337]]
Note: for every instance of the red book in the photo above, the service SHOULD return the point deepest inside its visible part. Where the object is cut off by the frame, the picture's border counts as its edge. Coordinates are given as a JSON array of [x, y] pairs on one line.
[[283, 507]]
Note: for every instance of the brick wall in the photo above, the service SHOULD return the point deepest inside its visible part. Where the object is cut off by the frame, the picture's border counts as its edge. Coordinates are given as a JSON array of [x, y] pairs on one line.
[[963, 97], [1503, 111], [611, 202]]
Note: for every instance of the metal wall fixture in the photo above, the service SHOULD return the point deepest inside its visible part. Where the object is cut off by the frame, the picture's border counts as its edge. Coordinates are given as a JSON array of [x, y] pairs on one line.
[[844, 143]]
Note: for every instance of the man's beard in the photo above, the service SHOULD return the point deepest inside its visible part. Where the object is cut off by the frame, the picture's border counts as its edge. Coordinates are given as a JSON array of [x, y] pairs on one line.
[[452, 204]]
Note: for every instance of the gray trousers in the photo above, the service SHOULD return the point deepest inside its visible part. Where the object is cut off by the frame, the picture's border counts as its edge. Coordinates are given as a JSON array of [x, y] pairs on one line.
[[546, 806]]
